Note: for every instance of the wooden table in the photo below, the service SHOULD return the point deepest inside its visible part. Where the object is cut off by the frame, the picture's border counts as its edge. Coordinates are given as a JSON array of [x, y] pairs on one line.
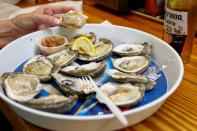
[[179, 112]]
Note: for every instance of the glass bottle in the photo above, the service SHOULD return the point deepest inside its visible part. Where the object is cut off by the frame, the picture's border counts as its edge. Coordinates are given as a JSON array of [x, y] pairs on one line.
[[179, 25]]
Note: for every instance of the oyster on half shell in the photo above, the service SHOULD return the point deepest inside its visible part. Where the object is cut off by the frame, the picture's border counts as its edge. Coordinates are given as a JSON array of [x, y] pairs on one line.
[[62, 58], [123, 94], [73, 19], [103, 49], [19, 86], [52, 103], [132, 78], [132, 64], [133, 49], [72, 85], [40, 67], [93, 69]]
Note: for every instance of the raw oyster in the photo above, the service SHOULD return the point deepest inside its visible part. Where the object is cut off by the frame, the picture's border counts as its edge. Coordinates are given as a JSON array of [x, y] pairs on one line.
[[103, 49], [133, 64], [40, 67], [132, 78], [123, 94], [52, 103], [20, 87], [133, 49], [93, 69], [63, 58], [73, 19], [72, 85]]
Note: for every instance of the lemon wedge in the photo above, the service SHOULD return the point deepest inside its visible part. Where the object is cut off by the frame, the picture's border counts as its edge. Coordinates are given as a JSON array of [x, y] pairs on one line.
[[84, 46]]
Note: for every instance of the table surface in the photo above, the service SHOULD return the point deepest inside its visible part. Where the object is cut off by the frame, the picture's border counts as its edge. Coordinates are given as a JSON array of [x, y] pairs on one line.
[[179, 112]]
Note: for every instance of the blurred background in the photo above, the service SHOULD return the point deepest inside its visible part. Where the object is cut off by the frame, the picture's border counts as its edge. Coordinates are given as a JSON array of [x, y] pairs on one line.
[[151, 9]]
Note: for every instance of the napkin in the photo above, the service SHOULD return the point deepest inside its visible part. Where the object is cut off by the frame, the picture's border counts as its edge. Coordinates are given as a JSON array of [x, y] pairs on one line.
[[106, 22], [76, 4], [7, 9]]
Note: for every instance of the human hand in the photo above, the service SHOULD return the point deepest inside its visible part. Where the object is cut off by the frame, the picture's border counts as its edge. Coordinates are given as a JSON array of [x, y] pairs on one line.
[[43, 17]]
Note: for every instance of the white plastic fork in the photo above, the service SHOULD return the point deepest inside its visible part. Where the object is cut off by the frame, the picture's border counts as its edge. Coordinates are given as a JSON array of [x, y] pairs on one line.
[[101, 97]]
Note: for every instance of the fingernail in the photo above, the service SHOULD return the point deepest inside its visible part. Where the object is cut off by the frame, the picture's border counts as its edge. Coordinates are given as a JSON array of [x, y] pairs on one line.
[[57, 21]]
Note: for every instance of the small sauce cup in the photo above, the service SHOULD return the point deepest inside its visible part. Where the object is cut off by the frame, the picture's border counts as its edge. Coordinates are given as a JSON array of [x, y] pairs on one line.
[[52, 44]]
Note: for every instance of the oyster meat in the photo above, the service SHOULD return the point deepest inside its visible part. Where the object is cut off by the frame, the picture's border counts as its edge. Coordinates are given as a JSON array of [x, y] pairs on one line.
[[103, 49], [52, 103], [40, 67], [73, 19], [93, 69], [133, 49], [123, 94], [72, 85], [20, 87], [62, 58], [132, 64], [132, 78]]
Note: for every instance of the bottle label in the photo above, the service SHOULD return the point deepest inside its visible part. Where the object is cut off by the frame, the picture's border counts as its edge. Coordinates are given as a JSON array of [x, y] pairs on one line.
[[175, 22]]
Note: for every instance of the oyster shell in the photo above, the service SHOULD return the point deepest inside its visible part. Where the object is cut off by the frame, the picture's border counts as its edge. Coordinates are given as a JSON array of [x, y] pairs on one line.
[[62, 58], [123, 94], [51, 89], [93, 69], [52, 103], [2, 78], [20, 87], [133, 64], [73, 19], [71, 85], [103, 49], [133, 49], [132, 78], [40, 67]]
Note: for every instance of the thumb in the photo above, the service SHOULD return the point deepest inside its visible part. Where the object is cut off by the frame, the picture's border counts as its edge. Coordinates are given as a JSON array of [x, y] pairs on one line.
[[46, 20]]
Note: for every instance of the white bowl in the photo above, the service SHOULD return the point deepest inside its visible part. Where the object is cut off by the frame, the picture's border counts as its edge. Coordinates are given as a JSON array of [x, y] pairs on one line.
[[23, 48], [53, 49]]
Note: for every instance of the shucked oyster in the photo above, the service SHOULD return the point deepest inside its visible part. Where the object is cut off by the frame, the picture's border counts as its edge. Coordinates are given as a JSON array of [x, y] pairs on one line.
[[133, 64], [71, 85], [40, 67], [123, 94], [73, 19], [132, 78], [92, 69], [52, 103], [103, 49], [133, 49], [20, 87], [63, 58]]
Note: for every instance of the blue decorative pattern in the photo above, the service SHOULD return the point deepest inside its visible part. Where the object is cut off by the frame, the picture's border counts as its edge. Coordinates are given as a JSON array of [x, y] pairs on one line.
[[90, 106]]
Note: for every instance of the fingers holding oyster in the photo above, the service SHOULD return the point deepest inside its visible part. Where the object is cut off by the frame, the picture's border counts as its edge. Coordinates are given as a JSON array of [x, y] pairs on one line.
[[71, 18]]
